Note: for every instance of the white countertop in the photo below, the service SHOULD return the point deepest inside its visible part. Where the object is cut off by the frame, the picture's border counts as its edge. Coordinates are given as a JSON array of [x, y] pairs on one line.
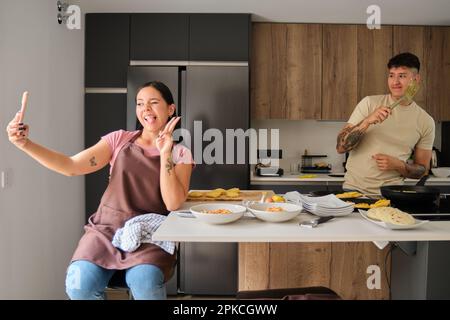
[[325, 179], [352, 228]]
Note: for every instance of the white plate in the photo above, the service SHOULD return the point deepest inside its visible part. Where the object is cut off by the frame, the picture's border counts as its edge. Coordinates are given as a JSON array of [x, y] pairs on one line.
[[391, 226], [289, 212], [237, 212]]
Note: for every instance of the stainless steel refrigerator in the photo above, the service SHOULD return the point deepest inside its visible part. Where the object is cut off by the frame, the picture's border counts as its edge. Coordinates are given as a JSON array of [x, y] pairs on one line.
[[218, 96]]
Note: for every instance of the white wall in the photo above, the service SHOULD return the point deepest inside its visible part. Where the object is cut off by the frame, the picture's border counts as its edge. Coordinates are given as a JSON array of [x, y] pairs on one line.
[[41, 212], [409, 12], [318, 137]]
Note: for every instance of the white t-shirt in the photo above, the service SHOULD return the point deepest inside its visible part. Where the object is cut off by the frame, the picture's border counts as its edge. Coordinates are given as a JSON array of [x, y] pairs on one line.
[[405, 129]]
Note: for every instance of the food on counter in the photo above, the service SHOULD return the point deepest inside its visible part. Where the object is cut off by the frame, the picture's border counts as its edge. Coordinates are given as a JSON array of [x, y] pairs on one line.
[[232, 194], [277, 198], [217, 211], [321, 165], [350, 194], [214, 193], [391, 215], [218, 193], [275, 209], [195, 194], [365, 205], [381, 203], [362, 205], [307, 176]]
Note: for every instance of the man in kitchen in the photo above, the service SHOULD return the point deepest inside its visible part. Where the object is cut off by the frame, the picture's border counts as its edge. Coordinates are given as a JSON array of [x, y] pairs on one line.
[[381, 138]]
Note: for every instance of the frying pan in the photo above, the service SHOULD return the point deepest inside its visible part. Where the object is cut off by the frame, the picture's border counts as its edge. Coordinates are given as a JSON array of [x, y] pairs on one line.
[[408, 195]]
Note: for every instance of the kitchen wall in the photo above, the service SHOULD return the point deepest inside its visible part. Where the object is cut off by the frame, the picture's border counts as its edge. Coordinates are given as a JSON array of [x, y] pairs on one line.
[[318, 137], [41, 212]]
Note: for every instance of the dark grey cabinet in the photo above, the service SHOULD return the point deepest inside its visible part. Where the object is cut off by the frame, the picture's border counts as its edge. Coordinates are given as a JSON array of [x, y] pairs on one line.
[[103, 114], [107, 50], [159, 36], [189, 37], [219, 37]]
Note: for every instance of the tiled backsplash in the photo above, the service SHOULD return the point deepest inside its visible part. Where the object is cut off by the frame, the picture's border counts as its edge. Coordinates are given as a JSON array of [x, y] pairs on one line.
[[318, 137]]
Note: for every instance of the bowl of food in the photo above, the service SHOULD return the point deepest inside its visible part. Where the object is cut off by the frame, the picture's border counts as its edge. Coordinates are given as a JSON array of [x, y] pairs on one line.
[[275, 212], [218, 213], [441, 172]]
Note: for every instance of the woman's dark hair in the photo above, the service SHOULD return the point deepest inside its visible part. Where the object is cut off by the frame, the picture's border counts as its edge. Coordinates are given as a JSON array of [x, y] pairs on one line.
[[405, 59], [162, 88]]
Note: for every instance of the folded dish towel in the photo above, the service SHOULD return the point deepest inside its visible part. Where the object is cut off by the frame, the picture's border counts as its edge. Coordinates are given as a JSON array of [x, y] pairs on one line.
[[140, 230]]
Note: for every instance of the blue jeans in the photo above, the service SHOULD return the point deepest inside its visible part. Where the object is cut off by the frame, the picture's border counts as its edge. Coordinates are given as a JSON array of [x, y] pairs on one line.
[[87, 281]]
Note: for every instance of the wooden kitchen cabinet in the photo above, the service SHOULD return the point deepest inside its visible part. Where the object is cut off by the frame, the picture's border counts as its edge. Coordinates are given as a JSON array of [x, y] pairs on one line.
[[106, 50], [340, 266], [268, 81], [286, 71], [411, 39], [304, 71], [374, 51], [159, 36], [339, 83], [288, 65], [437, 59]]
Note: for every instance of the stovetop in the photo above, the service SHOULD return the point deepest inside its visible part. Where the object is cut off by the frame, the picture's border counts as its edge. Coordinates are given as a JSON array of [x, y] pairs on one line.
[[435, 211]]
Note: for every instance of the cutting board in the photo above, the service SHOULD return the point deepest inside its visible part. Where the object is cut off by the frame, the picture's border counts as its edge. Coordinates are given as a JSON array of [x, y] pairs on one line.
[[248, 195]]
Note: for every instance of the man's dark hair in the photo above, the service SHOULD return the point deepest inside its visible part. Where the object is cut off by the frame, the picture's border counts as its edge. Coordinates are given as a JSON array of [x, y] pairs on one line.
[[405, 59]]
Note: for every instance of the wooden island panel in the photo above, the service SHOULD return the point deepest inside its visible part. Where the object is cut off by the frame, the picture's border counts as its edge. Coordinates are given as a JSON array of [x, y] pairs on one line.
[[340, 266]]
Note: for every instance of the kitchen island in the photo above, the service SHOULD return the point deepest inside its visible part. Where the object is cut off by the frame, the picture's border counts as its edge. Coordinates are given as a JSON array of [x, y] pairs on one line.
[[337, 254]]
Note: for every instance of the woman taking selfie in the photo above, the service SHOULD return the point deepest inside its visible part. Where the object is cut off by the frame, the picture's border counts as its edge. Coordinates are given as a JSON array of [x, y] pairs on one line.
[[149, 174]]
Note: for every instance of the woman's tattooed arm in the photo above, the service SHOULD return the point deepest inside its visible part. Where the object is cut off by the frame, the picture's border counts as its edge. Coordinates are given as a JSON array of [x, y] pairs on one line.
[[169, 165]]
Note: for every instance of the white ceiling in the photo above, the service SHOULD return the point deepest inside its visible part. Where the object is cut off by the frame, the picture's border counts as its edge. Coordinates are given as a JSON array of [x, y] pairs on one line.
[[406, 12]]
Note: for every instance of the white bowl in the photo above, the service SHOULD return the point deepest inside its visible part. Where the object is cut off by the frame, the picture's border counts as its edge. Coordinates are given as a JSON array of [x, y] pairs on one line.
[[289, 212], [237, 212], [441, 172]]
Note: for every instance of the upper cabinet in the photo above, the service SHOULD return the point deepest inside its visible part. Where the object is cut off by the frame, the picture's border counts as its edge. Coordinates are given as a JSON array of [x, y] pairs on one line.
[[374, 51], [219, 37], [114, 39], [304, 79], [307, 71], [189, 37], [437, 59], [159, 36], [268, 71], [106, 50], [411, 39], [286, 71], [339, 84]]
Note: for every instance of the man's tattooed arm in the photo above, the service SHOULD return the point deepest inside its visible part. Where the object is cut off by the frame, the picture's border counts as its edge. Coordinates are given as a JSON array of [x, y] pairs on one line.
[[350, 136], [413, 171]]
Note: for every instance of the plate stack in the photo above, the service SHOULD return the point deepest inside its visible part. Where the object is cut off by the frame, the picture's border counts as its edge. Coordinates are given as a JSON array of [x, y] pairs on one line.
[[325, 206]]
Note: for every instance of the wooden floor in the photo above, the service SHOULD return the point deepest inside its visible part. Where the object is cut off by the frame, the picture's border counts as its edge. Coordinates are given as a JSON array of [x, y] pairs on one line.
[[122, 294]]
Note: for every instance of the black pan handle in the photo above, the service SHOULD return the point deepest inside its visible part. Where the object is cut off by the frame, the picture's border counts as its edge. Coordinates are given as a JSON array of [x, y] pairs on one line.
[[422, 180]]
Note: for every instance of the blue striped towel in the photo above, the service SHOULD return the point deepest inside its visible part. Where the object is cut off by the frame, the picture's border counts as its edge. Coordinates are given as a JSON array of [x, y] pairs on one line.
[[140, 230]]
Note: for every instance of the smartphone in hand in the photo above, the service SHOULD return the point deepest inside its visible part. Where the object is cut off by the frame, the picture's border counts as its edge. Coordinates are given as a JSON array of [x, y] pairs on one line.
[[24, 106]]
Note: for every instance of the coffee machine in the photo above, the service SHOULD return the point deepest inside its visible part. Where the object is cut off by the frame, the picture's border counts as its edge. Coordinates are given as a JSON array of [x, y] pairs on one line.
[[264, 167]]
